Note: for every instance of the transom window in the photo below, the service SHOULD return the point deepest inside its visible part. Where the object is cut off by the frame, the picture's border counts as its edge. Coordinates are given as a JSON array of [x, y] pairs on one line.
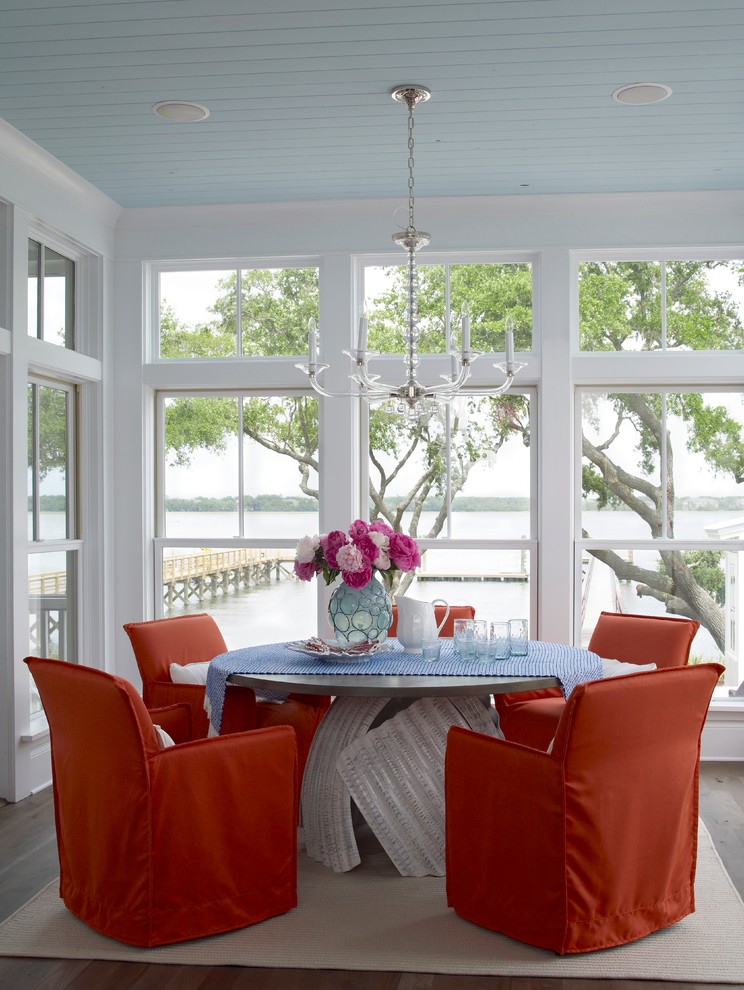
[[229, 312], [661, 305], [492, 292], [51, 295]]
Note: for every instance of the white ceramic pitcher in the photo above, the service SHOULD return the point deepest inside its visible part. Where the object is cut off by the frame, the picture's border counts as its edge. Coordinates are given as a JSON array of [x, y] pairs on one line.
[[417, 622]]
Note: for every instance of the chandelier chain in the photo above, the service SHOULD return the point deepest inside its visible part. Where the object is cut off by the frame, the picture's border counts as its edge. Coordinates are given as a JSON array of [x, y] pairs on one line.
[[411, 225]]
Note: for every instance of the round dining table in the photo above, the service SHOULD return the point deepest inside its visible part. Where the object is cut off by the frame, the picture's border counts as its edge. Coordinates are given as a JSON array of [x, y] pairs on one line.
[[403, 769]]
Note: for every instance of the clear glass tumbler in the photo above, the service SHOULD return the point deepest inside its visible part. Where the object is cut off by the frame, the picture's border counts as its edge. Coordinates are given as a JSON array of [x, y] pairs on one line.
[[430, 650], [463, 641], [518, 637], [481, 640], [499, 640]]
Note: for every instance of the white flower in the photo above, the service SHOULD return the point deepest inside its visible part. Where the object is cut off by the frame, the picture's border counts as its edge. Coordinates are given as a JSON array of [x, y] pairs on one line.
[[350, 558], [382, 561], [306, 548], [380, 540]]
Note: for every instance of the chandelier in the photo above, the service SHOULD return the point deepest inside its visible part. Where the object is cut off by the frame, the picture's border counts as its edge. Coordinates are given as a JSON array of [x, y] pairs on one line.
[[412, 398]]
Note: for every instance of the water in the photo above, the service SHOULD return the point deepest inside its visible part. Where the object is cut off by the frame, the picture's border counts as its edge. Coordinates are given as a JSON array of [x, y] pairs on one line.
[[289, 609]]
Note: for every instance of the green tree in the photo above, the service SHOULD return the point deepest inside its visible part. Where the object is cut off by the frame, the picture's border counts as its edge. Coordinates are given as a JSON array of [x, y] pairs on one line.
[[620, 307], [289, 426]]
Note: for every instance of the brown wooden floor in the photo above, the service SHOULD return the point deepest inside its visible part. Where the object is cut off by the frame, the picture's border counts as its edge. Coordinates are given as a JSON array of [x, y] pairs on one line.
[[28, 861]]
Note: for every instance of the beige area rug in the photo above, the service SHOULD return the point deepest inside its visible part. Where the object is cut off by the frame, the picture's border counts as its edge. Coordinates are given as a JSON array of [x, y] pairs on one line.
[[374, 919]]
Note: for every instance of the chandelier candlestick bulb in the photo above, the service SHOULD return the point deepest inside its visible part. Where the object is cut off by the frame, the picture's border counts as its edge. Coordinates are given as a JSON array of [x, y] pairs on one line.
[[509, 354], [412, 397], [465, 327], [312, 343], [362, 339]]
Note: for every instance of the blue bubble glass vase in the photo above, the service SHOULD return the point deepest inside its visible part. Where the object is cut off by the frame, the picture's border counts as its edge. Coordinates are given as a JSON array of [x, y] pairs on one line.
[[360, 615]]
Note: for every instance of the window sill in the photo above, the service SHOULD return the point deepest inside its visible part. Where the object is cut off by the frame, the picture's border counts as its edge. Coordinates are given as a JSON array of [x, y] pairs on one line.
[[38, 731]]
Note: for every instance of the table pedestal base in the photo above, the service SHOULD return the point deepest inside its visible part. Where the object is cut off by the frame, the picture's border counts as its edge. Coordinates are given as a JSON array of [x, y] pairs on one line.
[[395, 774]]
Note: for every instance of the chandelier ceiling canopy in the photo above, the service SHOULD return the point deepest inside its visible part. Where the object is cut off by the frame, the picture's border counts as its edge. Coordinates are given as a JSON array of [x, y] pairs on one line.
[[412, 398]]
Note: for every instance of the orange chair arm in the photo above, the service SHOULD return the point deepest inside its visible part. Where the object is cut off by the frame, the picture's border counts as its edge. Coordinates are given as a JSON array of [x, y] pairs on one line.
[[235, 792], [175, 719]]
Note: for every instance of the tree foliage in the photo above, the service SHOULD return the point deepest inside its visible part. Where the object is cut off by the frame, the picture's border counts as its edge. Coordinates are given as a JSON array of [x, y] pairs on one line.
[[620, 309]]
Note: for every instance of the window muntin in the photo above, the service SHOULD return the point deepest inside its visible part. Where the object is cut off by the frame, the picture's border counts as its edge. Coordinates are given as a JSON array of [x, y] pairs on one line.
[[51, 295], [671, 305], [250, 312], [492, 292]]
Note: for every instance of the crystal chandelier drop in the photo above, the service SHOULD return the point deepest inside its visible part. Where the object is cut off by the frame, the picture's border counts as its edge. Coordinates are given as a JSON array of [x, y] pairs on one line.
[[412, 398]]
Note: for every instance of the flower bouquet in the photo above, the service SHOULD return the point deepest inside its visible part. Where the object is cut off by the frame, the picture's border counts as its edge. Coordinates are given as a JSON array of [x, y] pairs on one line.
[[360, 609]]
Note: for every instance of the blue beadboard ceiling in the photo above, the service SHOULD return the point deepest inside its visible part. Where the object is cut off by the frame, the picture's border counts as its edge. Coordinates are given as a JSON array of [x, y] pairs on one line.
[[299, 95]]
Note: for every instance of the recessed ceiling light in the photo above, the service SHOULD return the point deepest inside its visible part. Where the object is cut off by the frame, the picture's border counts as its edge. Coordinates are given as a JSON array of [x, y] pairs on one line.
[[638, 94], [180, 111]]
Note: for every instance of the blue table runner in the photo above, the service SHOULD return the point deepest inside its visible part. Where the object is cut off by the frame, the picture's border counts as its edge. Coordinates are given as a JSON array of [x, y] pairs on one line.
[[569, 664]]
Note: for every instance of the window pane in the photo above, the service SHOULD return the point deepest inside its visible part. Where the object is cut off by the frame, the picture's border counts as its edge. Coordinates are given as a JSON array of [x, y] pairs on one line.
[[386, 302], [621, 465], [201, 467], [53, 458], [280, 467], [200, 317], [34, 267], [197, 314], [477, 453], [59, 299], [705, 432], [620, 306], [52, 610], [275, 309], [705, 305], [643, 581], [490, 468], [491, 291], [249, 591], [495, 582]]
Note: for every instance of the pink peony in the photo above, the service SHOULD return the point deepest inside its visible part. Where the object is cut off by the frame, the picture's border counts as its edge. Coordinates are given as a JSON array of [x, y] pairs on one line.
[[358, 530], [331, 544], [358, 579], [350, 558], [382, 562], [403, 552], [378, 526], [367, 548], [306, 571]]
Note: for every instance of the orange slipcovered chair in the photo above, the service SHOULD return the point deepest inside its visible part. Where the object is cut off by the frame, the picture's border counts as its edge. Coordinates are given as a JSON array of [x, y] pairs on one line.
[[447, 631], [164, 845], [195, 638], [593, 844], [531, 717]]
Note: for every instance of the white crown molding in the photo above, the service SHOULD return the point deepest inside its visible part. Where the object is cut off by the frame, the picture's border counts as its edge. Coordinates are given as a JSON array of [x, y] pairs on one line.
[[26, 156], [563, 204]]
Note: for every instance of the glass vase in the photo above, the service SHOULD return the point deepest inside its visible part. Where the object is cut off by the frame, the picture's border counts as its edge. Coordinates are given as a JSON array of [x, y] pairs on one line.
[[360, 615]]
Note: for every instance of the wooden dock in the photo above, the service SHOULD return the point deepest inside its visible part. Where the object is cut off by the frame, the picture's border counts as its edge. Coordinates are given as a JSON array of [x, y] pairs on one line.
[[209, 573]]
